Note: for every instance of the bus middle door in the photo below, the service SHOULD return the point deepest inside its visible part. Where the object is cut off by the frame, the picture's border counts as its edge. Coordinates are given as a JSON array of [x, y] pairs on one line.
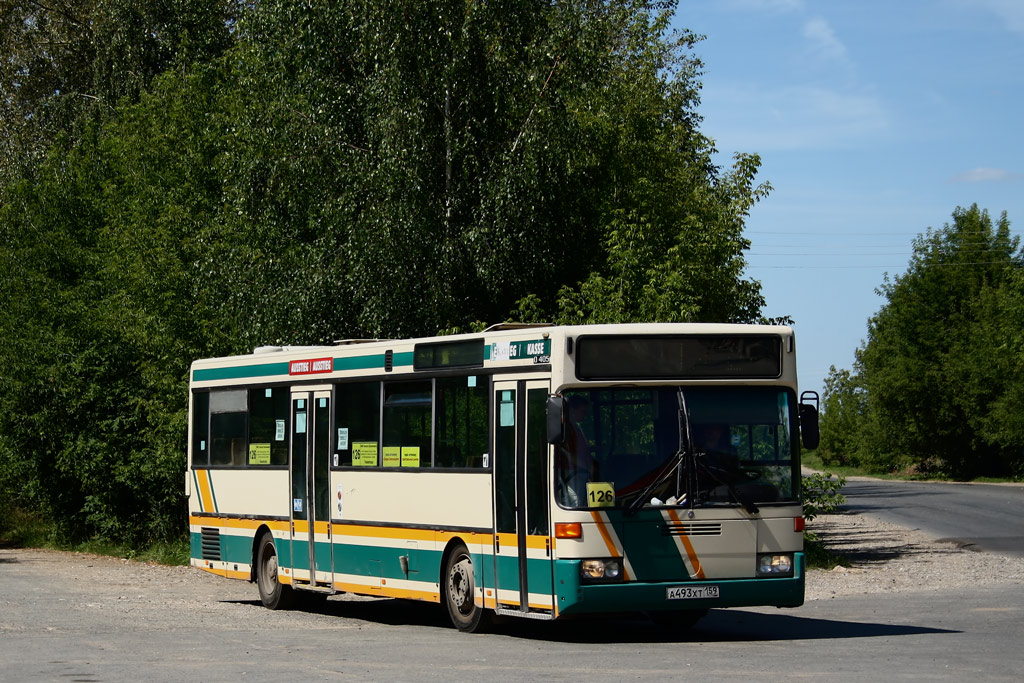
[[310, 483], [522, 544]]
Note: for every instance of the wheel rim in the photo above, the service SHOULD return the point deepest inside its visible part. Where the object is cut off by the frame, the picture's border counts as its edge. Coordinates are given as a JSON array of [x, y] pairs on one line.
[[269, 566], [460, 585]]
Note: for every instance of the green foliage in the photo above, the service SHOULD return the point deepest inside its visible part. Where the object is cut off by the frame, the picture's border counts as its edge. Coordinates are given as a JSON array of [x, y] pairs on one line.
[[191, 179], [821, 494], [817, 556], [843, 410], [933, 385], [68, 62]]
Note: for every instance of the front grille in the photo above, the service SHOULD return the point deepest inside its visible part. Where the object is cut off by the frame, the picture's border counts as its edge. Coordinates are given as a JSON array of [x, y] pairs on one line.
[[211, 543], [693, 529]]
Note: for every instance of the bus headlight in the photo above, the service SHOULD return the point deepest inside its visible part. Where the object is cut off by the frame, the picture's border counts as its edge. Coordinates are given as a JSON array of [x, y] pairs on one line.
[[601, 570], [776, 564]]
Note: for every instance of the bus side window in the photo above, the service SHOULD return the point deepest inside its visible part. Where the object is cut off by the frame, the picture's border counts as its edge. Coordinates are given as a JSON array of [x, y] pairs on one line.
[[460, 429], [407, 424], [269, 412], [357, 424], [228, 433], [201, 429]]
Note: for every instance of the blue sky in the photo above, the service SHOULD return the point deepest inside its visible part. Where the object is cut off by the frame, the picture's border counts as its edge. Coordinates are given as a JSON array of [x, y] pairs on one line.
[[874, 120]]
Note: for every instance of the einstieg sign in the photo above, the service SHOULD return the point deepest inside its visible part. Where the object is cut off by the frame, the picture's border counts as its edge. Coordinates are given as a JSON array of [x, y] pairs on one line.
[[311, 367]]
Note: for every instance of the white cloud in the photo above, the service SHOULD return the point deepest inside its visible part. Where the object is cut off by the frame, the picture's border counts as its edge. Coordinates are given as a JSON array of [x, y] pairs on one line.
[[766, 5], [984, 175], [758, 119], [823, 40], [1009, 11]]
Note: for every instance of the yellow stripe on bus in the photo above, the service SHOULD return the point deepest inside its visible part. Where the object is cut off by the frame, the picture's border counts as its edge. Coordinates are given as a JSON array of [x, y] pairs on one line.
[[694, 560], [397, 533], [384, 532], [237, 523], [389, 591], [205, 490], [532, 542], [226, 573], [609, 543], [390, 533]]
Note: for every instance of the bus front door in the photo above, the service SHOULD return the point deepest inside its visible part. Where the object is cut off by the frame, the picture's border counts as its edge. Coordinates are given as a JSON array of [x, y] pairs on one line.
[[310, 481], [522, 543]]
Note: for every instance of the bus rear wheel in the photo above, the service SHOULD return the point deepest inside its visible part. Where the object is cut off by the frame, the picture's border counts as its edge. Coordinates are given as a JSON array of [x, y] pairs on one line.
[[273, 594], [459, 592]]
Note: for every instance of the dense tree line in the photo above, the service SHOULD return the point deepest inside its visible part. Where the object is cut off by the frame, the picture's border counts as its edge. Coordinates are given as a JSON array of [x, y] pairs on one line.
[[937, 386], [188, 178]]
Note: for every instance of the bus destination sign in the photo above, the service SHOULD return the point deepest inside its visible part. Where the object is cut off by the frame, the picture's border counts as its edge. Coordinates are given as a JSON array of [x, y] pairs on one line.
[[539, 350], [311, 367]]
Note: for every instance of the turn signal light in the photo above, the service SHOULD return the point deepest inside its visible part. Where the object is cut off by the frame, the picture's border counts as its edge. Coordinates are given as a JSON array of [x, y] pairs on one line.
[[798, 524], [568, 530]]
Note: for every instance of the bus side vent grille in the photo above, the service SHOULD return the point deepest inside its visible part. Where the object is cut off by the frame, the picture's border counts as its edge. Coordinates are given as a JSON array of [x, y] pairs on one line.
[[211, 543], [693, 529], [389, 360]]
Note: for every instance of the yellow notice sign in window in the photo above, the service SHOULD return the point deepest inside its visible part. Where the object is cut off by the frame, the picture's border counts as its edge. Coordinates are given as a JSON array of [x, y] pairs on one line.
[[364, 454], [259, 454], [600, 494], [392, 456], [410, 456]]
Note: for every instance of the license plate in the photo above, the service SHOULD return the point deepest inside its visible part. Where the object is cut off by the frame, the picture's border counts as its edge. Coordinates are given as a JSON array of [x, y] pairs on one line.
[[691, 592]]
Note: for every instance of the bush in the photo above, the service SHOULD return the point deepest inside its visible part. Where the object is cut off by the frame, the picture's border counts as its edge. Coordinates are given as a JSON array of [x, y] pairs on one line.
[[821, 494]]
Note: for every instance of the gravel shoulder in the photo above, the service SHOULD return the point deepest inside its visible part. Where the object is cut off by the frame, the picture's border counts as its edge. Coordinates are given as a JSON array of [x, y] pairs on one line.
[[888, 558]]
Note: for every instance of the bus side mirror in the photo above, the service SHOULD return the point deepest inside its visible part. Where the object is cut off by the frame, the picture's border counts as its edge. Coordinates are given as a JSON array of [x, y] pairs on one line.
[[556, 419], [809, 420]]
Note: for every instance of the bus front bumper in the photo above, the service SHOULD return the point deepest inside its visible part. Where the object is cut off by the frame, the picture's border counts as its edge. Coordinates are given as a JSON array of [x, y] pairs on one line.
[[572, 597]]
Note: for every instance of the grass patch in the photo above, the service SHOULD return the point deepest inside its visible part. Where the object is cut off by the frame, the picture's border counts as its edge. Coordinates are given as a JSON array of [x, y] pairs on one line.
[[24, 530], [811, 460], [817, 556], [175, 553]]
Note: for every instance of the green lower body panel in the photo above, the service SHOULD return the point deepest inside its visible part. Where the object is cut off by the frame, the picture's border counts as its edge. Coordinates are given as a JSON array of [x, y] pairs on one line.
[[635, 596]]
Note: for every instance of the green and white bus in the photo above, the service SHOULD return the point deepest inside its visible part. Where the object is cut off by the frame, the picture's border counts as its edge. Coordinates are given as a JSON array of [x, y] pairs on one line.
[[535, 471]]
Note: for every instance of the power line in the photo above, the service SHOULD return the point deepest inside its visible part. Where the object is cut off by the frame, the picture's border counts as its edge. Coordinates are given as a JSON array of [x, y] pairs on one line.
[[959, 250], [876, 267]]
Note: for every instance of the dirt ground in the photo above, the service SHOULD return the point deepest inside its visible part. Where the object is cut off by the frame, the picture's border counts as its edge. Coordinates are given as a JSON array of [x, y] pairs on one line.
[[886, 557]]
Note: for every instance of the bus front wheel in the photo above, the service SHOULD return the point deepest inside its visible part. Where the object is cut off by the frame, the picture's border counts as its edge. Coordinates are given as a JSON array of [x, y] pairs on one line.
[[273, 594], [460, 592]]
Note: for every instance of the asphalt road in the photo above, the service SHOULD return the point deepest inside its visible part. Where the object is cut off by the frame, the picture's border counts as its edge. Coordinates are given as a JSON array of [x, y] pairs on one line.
[[102, 620], [985, 517]]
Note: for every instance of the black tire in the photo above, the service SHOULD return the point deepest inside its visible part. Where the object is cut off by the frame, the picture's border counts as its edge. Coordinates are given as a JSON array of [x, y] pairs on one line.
[[459, 592], [273, 594]]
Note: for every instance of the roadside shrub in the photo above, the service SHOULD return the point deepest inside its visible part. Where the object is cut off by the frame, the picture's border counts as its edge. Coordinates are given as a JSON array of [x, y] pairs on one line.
[[821, 494]]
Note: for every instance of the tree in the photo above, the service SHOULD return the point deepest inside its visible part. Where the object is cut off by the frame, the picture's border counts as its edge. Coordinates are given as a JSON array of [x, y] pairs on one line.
[[922, 366], [304, 172], [531, 157], [97, 322], [67, 62], [987, 369], [843, 411]]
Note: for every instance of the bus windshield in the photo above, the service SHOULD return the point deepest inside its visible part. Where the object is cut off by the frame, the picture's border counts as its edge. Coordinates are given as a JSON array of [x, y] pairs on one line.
[[633, 447]]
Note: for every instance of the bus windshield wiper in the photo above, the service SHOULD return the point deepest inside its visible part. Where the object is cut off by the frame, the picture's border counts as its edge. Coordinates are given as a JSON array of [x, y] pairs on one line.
[[686, 445], [699, 462], [713, 473], [667, 469], [674, 464]]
